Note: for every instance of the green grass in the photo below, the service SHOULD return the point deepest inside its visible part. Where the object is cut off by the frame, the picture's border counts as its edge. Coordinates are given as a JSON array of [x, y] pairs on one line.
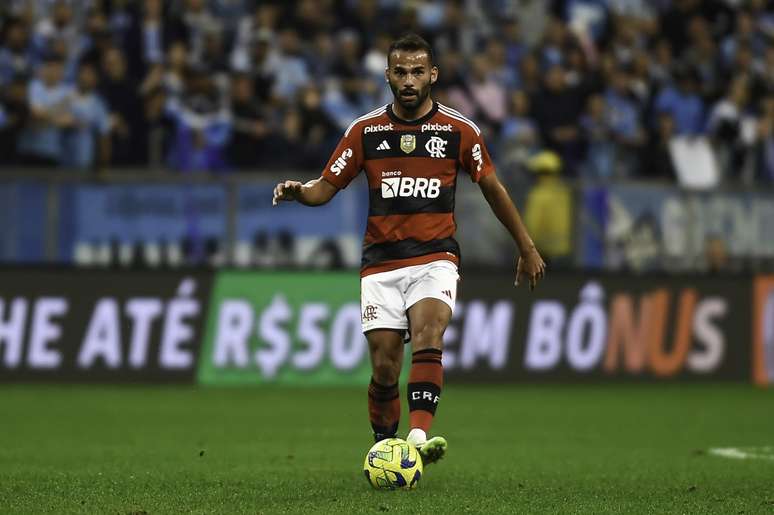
[[558, 449]]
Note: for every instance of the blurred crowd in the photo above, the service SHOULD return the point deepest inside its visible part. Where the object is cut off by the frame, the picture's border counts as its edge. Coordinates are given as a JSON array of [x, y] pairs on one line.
[[224, 85]]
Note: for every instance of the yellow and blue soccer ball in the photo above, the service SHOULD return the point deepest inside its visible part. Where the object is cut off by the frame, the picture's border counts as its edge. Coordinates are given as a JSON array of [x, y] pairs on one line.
[[392, 464]]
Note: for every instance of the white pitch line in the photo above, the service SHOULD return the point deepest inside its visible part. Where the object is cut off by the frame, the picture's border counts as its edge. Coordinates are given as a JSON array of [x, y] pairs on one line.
[[744, 453]]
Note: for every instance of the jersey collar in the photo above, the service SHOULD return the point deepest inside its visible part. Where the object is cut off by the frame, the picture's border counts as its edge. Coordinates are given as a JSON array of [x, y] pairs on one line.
[[418, 121]]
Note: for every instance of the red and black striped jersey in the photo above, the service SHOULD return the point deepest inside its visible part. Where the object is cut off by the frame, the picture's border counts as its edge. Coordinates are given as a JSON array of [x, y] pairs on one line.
[[411, 168]]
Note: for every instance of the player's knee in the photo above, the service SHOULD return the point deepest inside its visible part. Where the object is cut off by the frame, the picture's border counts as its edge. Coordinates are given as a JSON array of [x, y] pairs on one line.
[[427, 335], [386, 370]]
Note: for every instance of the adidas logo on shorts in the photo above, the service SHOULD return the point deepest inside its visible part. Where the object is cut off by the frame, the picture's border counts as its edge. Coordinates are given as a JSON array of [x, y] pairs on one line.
[[383, 145]]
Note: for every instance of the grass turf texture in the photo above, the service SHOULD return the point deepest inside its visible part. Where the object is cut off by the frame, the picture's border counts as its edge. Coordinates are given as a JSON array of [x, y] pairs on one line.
[[568, 449]]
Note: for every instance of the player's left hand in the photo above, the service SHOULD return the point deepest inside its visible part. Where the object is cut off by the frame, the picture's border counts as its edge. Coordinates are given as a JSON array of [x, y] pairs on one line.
[[530, 266]]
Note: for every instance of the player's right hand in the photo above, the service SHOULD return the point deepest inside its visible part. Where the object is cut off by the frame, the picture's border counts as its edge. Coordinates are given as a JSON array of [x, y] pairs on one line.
[[288, 190]]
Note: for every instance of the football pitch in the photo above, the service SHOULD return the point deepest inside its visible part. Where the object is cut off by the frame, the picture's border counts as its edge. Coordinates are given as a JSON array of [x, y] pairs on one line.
[[514, 449]]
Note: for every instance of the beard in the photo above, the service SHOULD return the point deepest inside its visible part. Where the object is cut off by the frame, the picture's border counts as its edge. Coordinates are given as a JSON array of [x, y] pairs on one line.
[[412, 102]]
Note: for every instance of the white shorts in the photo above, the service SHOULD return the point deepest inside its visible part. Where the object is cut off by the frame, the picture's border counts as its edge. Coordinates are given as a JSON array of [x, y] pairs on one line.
[[386, 297]]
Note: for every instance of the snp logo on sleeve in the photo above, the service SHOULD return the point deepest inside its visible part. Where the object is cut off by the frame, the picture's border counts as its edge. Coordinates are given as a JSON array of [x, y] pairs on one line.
[[393, 187]]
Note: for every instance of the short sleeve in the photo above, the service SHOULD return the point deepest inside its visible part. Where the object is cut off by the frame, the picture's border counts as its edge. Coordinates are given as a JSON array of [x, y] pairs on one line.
[[475, 157], [346, 161]]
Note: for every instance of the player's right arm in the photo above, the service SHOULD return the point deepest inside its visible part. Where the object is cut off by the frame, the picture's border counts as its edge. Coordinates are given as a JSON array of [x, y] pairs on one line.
[[312, 193], [343, 166]]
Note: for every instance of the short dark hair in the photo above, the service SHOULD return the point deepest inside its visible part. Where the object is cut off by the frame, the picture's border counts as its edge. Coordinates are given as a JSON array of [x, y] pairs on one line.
[[412, 43]]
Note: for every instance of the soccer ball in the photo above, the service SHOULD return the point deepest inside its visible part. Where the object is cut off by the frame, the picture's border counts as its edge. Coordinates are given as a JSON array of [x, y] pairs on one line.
[[391, 464]]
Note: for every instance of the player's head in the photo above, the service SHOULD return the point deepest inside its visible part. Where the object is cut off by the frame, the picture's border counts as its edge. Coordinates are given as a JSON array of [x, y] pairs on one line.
[[410, 70]]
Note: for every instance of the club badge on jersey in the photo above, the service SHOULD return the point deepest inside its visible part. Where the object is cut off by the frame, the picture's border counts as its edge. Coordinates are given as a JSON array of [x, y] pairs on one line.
[[408, 142]]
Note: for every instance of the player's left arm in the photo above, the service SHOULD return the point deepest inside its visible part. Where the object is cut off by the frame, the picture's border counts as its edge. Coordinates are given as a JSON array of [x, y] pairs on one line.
[[476, 161], [529, 265]]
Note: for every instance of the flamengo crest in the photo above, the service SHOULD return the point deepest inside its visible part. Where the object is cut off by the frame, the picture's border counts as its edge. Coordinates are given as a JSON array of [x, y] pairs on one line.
[[436, 147]]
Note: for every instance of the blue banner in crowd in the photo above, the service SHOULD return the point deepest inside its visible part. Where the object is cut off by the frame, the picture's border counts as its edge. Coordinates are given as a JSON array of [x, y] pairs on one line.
[[344, 215], [653, 227], [139, 214], [327, 236], [174, 224], [23, 221]]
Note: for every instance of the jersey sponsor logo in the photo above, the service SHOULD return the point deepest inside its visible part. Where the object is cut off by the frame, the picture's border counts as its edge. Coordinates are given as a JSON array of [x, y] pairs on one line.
[[393, 187], [392, 173], [437, 127], [338, 165], [436, 147], [408, 142], [377, 128], [383, 145], [477, 157]]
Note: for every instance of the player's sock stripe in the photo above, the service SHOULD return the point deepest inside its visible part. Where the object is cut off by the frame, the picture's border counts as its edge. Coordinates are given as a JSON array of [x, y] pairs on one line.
[[428, 351], [427, 360], [379, 386], [384, 397]]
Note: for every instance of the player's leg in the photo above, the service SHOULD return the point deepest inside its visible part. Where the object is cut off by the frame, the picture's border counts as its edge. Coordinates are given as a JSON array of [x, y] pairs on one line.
[[386, 349], [384, 324], [431, 303], [428, 319]]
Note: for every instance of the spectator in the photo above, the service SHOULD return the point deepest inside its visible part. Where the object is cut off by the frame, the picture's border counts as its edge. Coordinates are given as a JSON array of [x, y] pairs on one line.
[[150, 37], [350, 91], [657, 160], [703, 54], [317, 133], [745, 34], [97, 41], [121, 93], [201, 125], [587, 16], [251, 141], [17, 58], [766, 141], [515, 47], [487, 94], [294, 51], [197, 21], [626, 130], [554, 40], [258, 28], [87, 142], [260, 62], [291, 72], [663, 63], [520, 136], [14, 114], [498, 69], [683, 103], [597, 133], [529, 74], [556, 109], [215, 58], [641, 82], [40, 144], [732, 128], [548, 210], [59, 26]]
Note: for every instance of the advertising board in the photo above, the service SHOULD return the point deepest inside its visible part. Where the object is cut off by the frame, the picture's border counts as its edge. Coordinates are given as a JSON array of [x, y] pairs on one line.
[[101, 326]]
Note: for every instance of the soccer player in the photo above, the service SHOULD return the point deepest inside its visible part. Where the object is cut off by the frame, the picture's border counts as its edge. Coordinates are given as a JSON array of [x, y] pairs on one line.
[[411, 151]]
